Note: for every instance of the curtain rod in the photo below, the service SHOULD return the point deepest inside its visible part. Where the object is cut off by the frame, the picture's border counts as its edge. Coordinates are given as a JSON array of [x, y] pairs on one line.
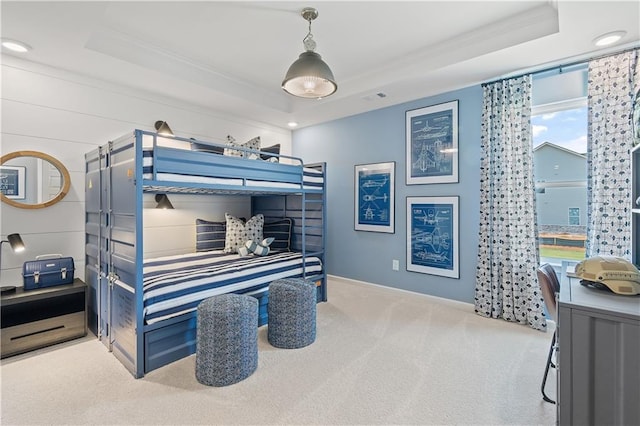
[[570, 64]]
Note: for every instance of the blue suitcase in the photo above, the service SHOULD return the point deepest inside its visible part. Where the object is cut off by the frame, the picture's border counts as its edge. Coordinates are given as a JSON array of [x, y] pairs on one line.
[[47, 271]]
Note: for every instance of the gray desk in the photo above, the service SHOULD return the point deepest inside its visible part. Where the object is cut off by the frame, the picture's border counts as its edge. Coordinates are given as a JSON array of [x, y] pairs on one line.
[[598, 356]]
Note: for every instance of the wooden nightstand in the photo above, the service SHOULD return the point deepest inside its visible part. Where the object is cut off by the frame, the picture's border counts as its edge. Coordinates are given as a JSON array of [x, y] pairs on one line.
[[36, 318]]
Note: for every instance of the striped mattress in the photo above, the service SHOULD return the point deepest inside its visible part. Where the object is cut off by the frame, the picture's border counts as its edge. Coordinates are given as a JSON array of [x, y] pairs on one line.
[[174, 285]]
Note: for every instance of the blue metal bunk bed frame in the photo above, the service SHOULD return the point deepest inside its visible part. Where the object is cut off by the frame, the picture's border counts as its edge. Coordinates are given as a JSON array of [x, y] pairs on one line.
[[114, 236]]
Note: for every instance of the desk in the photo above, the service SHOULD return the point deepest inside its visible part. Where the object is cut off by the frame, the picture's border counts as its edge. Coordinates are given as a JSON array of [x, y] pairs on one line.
[[598, 356]]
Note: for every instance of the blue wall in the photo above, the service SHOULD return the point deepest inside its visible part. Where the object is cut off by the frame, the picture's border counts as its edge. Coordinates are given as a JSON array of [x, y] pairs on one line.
[[379, 136]]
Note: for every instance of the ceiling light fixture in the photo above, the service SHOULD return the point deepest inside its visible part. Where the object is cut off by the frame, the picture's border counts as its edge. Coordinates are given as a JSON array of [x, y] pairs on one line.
[[292, 124], [15, 46], [163, 128], [609, 38], [309, 76]]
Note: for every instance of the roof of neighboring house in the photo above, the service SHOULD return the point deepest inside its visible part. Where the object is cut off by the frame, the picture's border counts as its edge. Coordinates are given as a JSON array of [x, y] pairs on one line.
[[558, 147]]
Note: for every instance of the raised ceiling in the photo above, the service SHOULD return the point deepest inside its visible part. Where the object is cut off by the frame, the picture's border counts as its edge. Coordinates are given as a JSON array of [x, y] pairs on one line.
[[232, 56]]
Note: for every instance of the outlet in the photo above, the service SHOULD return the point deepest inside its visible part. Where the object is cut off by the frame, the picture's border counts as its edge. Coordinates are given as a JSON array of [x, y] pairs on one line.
[[395, 265]]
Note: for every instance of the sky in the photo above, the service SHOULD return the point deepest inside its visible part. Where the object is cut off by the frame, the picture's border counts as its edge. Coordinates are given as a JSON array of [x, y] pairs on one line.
[[567, 129]]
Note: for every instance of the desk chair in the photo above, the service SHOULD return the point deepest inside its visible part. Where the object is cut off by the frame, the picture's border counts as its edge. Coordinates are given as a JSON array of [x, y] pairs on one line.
[[549, 285]]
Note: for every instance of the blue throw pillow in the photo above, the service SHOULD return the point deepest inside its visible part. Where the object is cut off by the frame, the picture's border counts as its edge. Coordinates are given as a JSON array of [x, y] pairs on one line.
[[203, 147], [210, 235], [275, 149], [280, 231]]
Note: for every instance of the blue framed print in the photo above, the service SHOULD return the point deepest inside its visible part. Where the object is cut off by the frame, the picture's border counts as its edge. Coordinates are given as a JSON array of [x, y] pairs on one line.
[[432, 144], [13, 182], [432, 235], [375, 197]]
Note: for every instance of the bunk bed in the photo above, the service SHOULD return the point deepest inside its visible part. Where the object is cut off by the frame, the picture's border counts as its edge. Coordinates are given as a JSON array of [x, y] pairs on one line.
[[144, 310]]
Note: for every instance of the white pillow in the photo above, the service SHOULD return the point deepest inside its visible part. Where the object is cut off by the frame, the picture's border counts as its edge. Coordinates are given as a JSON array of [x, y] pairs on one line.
[[238, 232]]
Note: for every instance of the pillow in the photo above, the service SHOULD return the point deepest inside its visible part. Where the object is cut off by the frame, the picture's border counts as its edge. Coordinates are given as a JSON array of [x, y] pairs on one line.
[[250, 246], [202, 147], [210, 235], [250, 144], [275, 149], [280, 231], [238, 232]]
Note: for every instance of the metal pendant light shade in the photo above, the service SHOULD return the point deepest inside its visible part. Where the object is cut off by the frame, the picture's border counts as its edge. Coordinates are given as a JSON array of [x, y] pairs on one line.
[[309, 76]]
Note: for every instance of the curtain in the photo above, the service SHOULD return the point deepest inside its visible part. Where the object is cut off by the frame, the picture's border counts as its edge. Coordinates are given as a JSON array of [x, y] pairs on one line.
[[612, 84], [506, 279]]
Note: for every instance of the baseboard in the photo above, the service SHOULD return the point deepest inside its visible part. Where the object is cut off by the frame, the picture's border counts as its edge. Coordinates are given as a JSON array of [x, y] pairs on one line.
[[385, 287]]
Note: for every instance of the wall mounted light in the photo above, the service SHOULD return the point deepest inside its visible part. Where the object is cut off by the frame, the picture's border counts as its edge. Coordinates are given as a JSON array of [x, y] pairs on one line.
[[163, 202], [163, 128], [309, 76]]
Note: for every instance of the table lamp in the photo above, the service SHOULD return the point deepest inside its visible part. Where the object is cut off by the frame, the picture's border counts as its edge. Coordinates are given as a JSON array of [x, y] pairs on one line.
[[17, 245]]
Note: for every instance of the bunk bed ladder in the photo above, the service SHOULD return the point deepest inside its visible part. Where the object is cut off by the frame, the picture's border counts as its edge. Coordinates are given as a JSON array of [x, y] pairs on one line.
[[307, 200]]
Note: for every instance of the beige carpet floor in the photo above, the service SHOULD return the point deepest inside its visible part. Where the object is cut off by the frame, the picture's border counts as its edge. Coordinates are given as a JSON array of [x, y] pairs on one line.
[[381, 356]]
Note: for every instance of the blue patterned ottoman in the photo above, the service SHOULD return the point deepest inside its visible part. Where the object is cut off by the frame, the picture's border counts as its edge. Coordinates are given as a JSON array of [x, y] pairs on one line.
[[227, 339], [291, 313]]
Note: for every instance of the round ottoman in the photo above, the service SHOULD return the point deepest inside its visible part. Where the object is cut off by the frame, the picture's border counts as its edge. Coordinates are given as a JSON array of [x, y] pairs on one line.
[[227, 339], [291, 313]]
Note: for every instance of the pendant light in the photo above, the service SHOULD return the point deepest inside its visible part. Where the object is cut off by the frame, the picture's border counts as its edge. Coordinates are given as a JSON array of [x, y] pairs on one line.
[[309, 76]]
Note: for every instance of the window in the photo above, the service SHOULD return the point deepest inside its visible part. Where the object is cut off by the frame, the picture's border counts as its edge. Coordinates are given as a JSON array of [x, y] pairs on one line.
[[559, 126]]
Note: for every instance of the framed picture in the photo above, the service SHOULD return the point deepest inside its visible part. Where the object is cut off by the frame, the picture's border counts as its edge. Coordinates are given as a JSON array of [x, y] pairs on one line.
[[375, 197], [432, 144], [12, 182], [432, 235]]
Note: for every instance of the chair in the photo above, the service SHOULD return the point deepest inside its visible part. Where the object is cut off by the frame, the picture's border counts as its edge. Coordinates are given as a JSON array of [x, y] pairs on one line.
[[549, 285]]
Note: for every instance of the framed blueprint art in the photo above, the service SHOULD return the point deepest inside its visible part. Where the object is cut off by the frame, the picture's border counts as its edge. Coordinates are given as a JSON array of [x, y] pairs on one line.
[[432, 144], [432, 235], [375, 197], [12, 182]]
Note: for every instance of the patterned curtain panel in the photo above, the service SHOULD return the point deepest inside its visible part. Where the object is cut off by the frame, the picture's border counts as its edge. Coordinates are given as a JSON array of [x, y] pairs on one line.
[[612, 84], [506, 280]]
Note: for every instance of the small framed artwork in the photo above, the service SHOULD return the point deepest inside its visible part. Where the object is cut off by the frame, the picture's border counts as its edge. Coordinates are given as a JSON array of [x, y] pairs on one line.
[[432, 235], [375, 197], [12, 182], [432, 144]]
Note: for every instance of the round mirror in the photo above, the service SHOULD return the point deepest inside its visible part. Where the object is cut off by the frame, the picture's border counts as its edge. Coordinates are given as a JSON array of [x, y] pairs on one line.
[[32, 180]]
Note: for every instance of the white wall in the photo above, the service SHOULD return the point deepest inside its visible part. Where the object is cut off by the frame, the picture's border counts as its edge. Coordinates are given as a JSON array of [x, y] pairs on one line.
[[66, 115]]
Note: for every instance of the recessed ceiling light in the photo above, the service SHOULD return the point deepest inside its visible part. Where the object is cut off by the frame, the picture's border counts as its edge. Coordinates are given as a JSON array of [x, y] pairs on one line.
[[15, 46], [292, 124], [609, 38]]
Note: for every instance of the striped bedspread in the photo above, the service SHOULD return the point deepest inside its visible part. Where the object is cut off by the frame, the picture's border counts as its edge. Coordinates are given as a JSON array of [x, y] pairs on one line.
[[174, 285]]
